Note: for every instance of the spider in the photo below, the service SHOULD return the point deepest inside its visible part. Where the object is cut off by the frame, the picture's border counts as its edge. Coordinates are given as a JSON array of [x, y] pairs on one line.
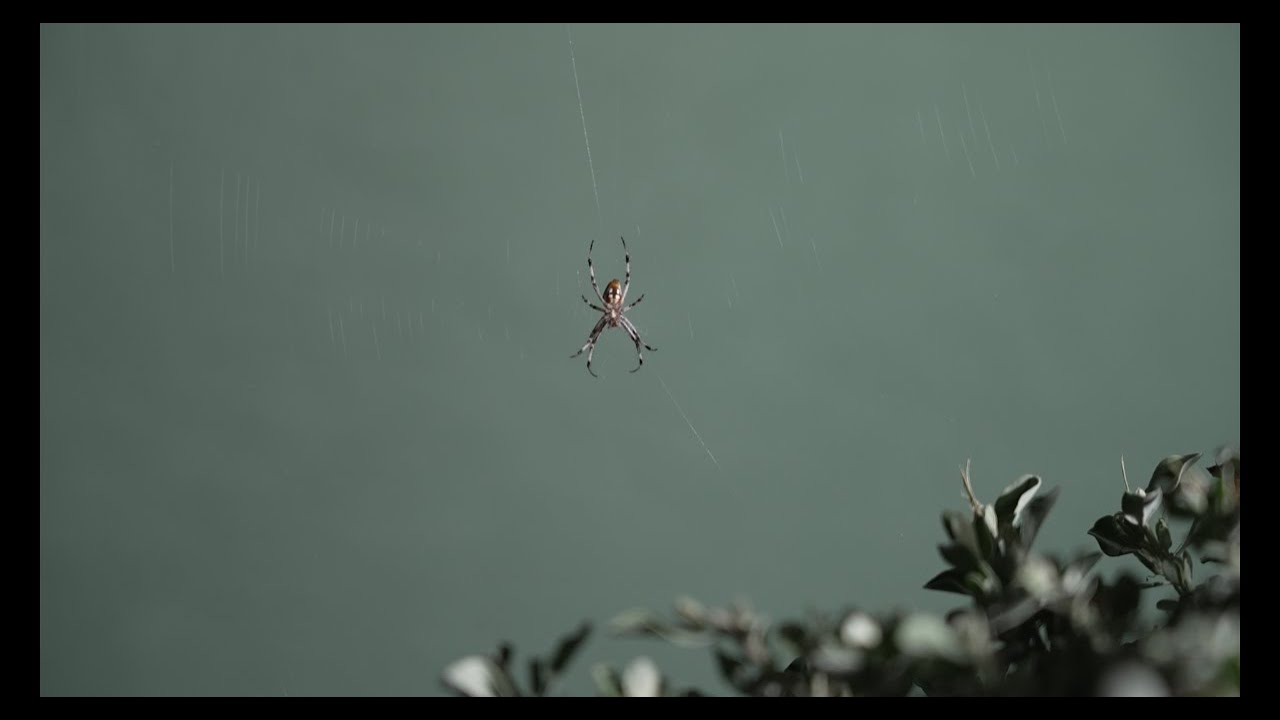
[[615, 294]]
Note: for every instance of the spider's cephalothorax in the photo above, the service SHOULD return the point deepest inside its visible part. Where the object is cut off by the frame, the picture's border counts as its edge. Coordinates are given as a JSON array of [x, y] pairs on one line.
[[615, 294]]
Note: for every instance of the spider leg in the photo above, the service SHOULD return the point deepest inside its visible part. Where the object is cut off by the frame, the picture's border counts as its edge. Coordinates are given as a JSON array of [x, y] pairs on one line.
[[637, 302], [635, 338], [591, 343], [626, 285], [592, 268], [592, 305]]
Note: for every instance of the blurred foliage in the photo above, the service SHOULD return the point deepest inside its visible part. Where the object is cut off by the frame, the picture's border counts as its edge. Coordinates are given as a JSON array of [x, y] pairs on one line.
[[1036, 624]]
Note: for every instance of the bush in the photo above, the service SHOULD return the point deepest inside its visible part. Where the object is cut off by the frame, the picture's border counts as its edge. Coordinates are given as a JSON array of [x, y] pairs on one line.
[[1036, 624]]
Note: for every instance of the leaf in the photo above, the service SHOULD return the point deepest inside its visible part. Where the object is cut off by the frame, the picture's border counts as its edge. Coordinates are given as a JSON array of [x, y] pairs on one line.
[[1215, 551], [836, 659], [1036, 512], [949, 580], [730, 667], [1168, 472], [569, 645], [1170, 567], [1084, 563], [1154, 564], [503, 658], [475, 676], [981, 582], [960, 557], [1120, 600], [927, 636], [607, 680], [1226, 469], [798, 666], [538, 676], [1009, 615], [952, 523], [691, 612], [1075, 573], [1040, 577], [638, 621], [795, 635], [1140, 505], [1227, 456], [860, 630], [1014, 499], [1162, 535], [986, 528], [1113, 538], [642, 679], [960, 530], [1149, 537]]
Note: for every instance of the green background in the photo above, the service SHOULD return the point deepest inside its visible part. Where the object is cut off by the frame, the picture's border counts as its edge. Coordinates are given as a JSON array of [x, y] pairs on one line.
[[308, 421]]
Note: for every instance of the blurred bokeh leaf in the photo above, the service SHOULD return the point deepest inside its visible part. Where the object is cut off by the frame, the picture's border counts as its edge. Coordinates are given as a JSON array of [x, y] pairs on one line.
[[569, 645], [607, 680], [642, 679], [1036, 624], [537, 676]]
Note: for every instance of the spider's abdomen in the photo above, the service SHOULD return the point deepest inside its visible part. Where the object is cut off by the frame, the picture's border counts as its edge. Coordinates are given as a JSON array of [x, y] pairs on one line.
[[613, 292]]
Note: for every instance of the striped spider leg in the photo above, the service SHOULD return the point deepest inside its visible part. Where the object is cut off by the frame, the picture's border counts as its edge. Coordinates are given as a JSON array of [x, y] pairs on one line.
[[613, 310]]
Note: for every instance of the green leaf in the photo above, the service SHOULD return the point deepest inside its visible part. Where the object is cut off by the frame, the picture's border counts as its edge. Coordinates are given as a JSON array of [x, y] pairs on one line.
[[838, 659], [607, 680], [638, 621], [981, 582], [1084, 563], [1140, 505], [1152, 563], [1226, 467], [1168, 472], [1113, 538], [1007, 615], [952, 522], [1149, 537], [1196, 492], [795, 635], [503, 658], [1227, 455], [1037, 510], [949, 580], [1121, 598], [798, 666], [478, 676], [927, 636], [642, 679], [538, 676], [1039, 577], [985, 527], [960, 557], [1163, 536], [569, 645], [730, 667], [861, 630], [691, 612], [1015, 498], [960, 530]]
